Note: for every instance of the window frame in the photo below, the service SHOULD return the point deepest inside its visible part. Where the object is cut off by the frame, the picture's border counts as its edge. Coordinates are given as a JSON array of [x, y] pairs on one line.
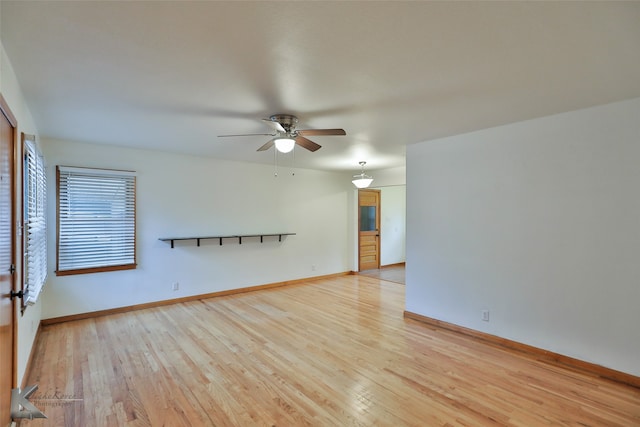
[[34, 195], [96, 172]]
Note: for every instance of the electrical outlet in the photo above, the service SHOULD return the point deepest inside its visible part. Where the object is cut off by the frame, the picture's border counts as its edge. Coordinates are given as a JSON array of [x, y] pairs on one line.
[[175, 286], [313, 268], [485, 315]]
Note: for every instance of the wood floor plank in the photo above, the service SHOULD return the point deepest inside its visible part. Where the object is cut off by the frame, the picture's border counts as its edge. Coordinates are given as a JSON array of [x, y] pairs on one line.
[[333, 352]]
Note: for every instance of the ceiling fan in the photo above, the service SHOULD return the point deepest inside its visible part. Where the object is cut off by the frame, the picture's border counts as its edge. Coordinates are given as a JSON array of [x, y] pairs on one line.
[[286, 135]]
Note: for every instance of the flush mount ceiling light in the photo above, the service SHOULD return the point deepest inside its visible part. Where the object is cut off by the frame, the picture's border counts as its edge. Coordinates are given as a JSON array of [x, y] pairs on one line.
[[361, 180], [284, 145]]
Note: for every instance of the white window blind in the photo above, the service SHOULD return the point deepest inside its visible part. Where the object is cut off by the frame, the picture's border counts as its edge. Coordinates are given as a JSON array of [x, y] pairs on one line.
[[35, 221], [96, 220]]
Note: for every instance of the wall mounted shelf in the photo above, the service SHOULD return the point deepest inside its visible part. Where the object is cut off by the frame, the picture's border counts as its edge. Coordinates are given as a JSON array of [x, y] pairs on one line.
[[221, 238]]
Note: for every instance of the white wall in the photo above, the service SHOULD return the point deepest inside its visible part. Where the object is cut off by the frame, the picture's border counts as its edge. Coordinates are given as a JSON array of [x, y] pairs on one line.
[[388, 177], [28, 321], [392, 185], [392, 224], [538, 222], [189, 196]]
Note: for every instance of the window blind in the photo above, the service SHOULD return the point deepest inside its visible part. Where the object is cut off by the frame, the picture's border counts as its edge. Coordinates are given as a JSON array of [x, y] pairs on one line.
[[35, 220], [96, 220]]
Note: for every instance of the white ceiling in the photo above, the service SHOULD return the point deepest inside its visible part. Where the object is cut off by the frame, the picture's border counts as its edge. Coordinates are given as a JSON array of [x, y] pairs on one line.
[[174, 75]]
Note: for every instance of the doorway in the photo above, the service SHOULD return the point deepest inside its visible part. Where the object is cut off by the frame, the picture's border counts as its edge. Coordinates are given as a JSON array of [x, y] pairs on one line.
[[368, 229], [7, 266]]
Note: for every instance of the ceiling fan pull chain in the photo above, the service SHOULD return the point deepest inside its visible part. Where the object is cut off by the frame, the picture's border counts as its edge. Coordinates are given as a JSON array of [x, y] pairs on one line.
[[293, 167], [275, 163]]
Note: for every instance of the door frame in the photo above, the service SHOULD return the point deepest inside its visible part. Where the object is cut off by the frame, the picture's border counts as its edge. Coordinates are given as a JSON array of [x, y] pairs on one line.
[[12, 155]]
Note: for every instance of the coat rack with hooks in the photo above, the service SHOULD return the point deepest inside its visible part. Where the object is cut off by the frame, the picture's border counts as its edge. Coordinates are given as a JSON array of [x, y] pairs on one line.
[[172, 240]]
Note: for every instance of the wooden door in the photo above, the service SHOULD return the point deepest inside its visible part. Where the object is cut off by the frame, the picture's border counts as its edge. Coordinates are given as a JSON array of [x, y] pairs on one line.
[[7, 306], [369, 229]]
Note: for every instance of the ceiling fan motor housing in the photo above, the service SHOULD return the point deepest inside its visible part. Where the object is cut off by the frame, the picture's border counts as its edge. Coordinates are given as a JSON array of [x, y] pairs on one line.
[[287, 121]]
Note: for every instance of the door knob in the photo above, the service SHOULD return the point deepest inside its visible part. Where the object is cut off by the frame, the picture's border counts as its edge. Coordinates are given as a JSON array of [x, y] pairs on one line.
[[14, 294]]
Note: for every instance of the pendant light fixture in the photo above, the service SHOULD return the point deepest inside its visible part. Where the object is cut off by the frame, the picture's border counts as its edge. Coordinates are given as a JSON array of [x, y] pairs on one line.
[[361, 180]]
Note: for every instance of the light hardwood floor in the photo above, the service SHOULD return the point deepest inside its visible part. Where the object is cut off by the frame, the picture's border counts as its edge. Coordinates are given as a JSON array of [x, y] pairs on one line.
[[394, 273], [335, 352]]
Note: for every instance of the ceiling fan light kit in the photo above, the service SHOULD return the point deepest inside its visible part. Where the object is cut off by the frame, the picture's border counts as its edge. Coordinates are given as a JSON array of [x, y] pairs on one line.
[[362, 180], [284, 145]]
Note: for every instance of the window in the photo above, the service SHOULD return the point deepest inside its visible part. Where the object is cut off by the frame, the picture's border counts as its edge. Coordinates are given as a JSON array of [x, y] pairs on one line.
[[96, 220], [35, 220]]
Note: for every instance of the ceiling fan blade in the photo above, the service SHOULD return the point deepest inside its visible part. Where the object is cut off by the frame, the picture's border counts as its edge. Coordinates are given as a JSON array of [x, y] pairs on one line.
[[307, 143], [248, 134], [275, 125], [318, 132], [266, 146]]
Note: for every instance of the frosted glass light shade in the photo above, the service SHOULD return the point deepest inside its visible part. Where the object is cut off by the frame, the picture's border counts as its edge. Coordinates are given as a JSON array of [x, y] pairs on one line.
[[362, 182], [284, 145]]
